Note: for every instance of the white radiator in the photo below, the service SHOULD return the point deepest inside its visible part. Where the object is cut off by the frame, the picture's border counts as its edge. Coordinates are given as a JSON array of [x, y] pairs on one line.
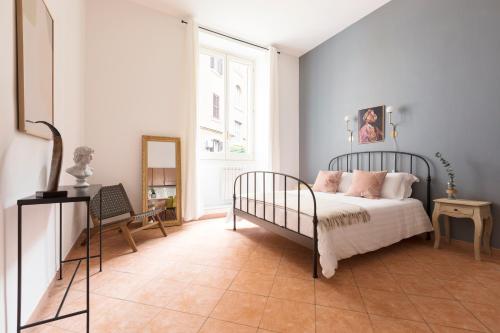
[[230, 174]]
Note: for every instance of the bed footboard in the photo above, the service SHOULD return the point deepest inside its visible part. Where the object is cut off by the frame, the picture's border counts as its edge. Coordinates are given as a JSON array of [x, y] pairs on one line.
[[269, 183]]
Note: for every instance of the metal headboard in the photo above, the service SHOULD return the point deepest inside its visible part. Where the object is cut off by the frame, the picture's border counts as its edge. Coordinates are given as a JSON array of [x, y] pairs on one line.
[[383, 160]]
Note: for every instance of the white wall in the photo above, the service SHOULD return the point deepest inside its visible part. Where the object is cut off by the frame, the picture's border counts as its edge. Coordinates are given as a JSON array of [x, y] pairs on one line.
[[135, 74], [24, 160], [289, 113], [125, 65]]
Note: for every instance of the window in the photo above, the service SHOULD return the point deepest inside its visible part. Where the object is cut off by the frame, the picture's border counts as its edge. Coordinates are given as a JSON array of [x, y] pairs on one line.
[[226, 115], [238, 93], [237, 128], [219, 66], [219, 63], [215, 107], [214, 145]]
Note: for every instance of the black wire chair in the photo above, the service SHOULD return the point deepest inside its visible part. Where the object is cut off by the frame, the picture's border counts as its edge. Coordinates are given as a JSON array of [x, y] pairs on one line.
[[114, 204]]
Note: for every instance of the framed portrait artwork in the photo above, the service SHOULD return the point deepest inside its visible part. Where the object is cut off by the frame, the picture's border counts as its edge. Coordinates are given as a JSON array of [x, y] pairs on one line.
[[371, 125], [35, 66]]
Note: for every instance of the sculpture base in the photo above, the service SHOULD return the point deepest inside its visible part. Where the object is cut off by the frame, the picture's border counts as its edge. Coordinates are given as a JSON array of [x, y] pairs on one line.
[[81, 182], [55, 194]]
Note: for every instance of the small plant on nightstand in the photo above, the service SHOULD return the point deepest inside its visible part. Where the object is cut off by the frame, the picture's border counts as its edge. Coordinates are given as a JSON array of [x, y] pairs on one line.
[[452, 191]]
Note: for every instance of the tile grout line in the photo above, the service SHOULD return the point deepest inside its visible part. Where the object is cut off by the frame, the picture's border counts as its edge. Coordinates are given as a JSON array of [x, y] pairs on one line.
[[362, 298], [225, 292], [270, 291], [473, 315], [409, 299], [423, 317], [215, 306], [483, 285], [254, 244], [161, 308]]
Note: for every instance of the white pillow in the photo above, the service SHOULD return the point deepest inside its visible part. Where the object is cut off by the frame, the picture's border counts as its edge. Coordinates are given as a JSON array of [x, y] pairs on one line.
[[345, 182], [410, 179], [394, 186], [397, 185]]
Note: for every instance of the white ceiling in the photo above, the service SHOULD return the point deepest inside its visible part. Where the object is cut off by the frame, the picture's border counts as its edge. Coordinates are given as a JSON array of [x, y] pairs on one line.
[[293, 26]]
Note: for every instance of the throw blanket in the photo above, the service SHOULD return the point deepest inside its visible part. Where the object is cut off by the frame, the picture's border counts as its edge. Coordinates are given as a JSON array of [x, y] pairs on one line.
[[330, 214]]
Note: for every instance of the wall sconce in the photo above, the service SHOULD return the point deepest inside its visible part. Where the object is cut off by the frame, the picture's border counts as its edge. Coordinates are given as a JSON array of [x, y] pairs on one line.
[[348, 129], [394, 132], [347, 120]]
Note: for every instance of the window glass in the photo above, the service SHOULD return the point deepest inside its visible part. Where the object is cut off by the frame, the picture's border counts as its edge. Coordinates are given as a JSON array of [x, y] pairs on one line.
[[238, 107], [225, 106]]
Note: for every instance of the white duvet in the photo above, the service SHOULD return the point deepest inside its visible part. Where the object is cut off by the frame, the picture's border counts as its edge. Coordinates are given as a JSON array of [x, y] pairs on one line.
[[390, 221]]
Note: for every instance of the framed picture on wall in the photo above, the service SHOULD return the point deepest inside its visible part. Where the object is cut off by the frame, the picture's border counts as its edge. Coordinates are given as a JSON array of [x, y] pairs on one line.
[[35, 66], [371, 125]]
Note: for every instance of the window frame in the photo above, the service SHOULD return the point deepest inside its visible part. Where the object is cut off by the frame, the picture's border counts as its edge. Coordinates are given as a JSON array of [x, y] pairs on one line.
[[227, 155]]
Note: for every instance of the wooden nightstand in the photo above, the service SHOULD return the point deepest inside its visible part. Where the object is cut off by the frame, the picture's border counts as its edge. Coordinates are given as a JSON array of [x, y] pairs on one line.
[[478, 211]]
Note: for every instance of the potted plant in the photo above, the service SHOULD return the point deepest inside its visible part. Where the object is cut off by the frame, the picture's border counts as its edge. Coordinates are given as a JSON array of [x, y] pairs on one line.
[[451, 191]]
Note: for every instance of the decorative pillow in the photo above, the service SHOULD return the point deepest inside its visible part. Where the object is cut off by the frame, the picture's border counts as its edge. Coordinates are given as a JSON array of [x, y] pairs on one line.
[[410, 179], [394, 186], [327, 181], [345, 182], [367, 184]]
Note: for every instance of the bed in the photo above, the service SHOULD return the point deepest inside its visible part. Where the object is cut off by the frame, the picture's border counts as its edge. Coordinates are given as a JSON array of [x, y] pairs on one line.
[[289, 206]]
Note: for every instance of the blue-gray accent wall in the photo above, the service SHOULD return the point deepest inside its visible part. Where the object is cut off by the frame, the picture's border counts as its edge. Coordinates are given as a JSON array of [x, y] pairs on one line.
[[438, 62]]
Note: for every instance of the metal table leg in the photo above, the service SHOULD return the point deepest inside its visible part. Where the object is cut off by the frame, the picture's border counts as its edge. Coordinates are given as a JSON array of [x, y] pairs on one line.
[[60, 242], [100, 231], [88, 266], [34, 200], [19, 264]]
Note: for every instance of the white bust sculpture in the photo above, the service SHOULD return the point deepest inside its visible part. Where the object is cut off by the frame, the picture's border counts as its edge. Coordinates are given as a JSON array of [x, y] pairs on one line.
[[81, 170]]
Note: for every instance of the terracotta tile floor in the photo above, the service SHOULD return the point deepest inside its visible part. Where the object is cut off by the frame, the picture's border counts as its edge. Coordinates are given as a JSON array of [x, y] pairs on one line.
[[204, 277]]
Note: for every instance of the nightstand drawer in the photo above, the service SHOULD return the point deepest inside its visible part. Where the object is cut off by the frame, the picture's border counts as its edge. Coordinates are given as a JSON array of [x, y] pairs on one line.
[[457, 211]]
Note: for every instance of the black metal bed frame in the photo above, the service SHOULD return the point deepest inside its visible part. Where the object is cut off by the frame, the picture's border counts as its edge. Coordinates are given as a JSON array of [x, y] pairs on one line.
[[336, 163], [397, 156]]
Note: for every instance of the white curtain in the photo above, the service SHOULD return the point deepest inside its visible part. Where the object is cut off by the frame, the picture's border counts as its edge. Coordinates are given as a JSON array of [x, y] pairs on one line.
[[274, 115], [191, 196]]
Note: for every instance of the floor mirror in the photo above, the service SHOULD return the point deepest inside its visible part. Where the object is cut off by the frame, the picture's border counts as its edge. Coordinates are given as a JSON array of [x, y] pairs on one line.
[[161, 177]]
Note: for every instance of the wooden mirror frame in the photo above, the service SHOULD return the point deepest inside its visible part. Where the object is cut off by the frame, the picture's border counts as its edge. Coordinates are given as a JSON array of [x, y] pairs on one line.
[[178, 190], [21, 109]]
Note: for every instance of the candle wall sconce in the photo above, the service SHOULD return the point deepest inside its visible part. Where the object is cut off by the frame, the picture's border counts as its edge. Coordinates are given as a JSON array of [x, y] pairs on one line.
[[347, 120], [394, 132]]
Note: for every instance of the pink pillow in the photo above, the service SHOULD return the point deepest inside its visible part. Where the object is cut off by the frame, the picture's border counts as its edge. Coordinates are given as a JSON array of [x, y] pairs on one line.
[[327, 181], [367, 184]]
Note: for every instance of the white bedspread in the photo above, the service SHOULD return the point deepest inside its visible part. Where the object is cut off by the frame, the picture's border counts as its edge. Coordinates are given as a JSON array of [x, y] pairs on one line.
[[390, 221]]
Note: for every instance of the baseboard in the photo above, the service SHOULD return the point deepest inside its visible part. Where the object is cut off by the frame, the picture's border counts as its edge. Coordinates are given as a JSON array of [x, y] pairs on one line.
[[213, 216], [217, 209], [37, 311], [45, 297]]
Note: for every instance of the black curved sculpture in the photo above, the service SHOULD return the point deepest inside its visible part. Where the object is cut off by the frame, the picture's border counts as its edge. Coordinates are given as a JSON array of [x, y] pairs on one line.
[[55, 165]]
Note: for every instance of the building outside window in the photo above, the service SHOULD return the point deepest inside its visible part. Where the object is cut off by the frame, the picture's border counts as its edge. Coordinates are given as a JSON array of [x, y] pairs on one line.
[[217, 64], [215, 106], [226, 114], [237, 128]]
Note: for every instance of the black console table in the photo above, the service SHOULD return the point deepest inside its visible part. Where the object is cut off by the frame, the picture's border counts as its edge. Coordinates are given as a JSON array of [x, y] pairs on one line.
[[74, 195]]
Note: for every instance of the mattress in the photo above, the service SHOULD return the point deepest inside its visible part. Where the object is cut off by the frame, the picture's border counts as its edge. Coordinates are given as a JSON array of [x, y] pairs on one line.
[[390, 221]]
